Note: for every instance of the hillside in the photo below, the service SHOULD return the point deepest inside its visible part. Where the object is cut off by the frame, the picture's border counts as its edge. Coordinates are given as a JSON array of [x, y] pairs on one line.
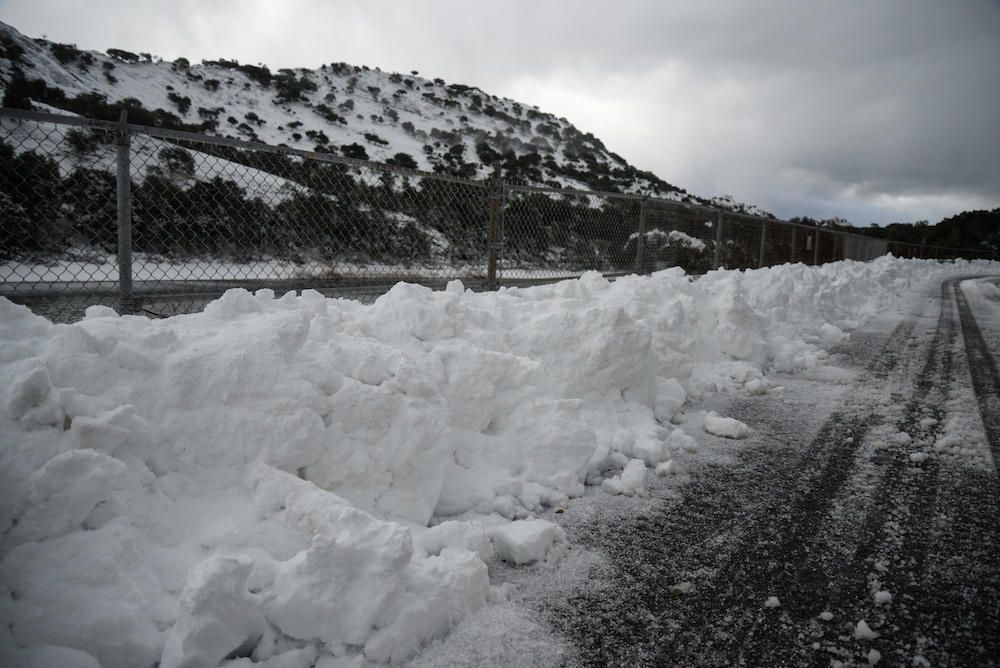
[[351, 110], [969, 229]]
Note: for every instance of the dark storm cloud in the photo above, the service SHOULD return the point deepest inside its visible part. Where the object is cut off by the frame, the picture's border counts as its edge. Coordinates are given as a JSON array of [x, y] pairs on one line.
[[874, 111]]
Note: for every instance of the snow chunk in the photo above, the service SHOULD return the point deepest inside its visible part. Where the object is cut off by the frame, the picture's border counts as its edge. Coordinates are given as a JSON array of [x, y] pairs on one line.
[[218, 614], [680, 440], [918, 457], [631, 481], [634, 475], [670, 396], [826, 615], [526, 541], [34, 401], [471, 536], [772, 602], [874, 656], [882, 597], [832, 335], [864, 632], [725, 427], [64, 492], [902, 438], [666, 468]]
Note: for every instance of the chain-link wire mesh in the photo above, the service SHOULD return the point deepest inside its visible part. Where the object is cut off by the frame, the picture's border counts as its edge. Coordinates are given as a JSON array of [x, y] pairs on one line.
[[551, 234], [204, 214], [208, 217], [58, 216]]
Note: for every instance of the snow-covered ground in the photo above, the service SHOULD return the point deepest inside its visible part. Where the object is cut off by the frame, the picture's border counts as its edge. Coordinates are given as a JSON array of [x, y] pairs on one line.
[[304, 481], [154, 268]]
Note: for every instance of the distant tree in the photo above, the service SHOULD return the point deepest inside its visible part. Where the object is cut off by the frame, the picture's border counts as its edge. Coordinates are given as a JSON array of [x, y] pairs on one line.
[[403, 160], [11, 50], [182, 102], [179, 163], [123, 56], [90, 198], [292, 87], [26, 225], [64, 53], [81, 141], [318, 136], [355, 151]]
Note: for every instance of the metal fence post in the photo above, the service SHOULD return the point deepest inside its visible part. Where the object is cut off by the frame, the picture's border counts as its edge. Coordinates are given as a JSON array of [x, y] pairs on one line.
[[640, 241], [795, 229], [718, 242], [496, 203], [126, 302], [816, 248], [763, 243]]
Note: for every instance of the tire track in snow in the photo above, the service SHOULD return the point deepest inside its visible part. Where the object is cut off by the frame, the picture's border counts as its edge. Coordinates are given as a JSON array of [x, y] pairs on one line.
[[741, 541], [985, 378], [722, 537], [893, 544]]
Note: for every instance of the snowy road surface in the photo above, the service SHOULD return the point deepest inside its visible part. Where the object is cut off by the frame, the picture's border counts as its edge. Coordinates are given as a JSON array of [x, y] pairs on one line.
[[857, 525]]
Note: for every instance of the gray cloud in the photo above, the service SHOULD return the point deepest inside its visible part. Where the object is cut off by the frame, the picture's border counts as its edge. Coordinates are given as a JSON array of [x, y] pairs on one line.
[[872, 111]]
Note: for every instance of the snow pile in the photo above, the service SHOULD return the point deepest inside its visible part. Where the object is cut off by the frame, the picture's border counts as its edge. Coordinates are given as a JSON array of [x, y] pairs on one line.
[[256, 480]]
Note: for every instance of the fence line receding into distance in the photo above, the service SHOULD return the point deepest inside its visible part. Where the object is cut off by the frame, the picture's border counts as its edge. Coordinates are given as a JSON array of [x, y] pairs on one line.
[[157, 221]]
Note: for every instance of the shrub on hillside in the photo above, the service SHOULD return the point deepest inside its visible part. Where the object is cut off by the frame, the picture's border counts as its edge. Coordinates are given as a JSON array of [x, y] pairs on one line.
[[179, 163], [404, 160], [123, 56], [28, 213], [291, 87], [183, 102], [356, 151], [81, 141]]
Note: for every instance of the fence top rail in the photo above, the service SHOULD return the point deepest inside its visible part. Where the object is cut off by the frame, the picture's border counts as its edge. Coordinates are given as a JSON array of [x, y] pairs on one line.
[[56, 119], [182, 135]]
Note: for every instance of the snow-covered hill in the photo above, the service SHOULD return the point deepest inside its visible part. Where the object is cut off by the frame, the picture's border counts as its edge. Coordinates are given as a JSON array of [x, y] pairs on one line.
[[350, 110]]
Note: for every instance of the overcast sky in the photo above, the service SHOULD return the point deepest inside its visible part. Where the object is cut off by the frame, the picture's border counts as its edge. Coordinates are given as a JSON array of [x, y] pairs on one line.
[[873, 111]]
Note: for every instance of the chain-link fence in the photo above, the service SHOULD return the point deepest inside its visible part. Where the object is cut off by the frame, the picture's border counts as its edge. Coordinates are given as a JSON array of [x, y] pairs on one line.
[[155, 221]]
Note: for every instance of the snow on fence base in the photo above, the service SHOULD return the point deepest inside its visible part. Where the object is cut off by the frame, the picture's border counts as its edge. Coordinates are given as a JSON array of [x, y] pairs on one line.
[[258, 478]]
